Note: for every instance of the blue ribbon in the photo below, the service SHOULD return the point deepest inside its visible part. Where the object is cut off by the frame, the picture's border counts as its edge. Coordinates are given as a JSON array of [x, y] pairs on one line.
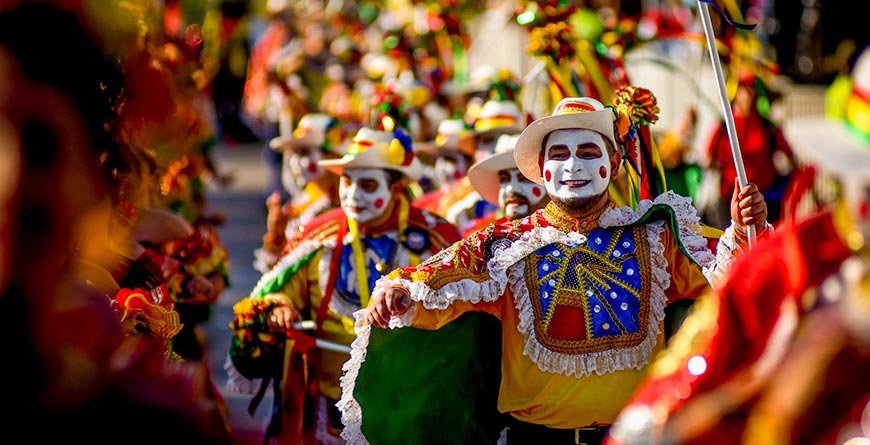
[[728, 18]]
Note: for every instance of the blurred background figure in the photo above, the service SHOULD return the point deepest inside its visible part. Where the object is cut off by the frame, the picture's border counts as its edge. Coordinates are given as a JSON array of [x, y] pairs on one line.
[[92, 364], [766, 154]]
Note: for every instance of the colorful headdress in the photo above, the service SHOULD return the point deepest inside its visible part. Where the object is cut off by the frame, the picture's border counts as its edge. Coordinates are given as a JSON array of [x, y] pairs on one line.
[[315, 130], [390, 150], [635, 109], [501, 116], [452, 134]]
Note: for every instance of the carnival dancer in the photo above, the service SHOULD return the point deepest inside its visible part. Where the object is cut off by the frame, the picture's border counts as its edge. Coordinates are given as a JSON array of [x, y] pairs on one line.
[[313, 189], [580, 286], [498, 180], [327, 272], [761, 143]]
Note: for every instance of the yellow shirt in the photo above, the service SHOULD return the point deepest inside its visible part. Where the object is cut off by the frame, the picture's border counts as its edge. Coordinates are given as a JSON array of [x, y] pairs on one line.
[[302, 291], [555, 400]]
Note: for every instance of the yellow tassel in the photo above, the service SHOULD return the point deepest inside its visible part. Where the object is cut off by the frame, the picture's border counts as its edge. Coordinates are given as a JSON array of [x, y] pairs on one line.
[[657, 162], [359, 263], [587, 57]]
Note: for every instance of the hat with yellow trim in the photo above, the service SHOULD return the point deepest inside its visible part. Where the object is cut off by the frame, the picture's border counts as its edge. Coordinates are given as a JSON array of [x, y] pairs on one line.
[[391, 150], [314, 130], [570, 113], [453, 134], [499, 116]]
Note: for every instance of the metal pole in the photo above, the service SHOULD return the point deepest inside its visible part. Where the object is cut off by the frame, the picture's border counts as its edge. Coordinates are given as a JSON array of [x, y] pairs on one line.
[[326, 345], [726, 105]]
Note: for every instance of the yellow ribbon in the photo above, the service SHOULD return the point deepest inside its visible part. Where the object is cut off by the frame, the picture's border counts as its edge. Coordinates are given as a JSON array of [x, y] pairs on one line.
[[362, 274]]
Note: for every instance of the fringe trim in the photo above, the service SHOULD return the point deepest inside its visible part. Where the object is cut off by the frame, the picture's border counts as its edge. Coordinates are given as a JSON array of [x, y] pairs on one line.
[[602, 362], [726, 252], [263, 260], [237, 383], [498, 266], [322, 204], [688, 223], [321, 429], [351, 411]]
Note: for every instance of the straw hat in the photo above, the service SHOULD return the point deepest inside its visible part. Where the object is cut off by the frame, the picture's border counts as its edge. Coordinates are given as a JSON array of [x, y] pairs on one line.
[[484, 174], [453, 134], [378, 149], [499, 116], [570, 113], [314, 130]]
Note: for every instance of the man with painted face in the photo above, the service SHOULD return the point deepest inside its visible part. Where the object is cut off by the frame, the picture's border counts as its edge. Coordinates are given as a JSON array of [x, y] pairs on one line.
[[498, 180], [330, 266], [312, 188], [580, 286]]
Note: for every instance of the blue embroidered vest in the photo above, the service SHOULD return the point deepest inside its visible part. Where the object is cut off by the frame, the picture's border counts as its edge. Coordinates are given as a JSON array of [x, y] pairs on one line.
[[591, 296]]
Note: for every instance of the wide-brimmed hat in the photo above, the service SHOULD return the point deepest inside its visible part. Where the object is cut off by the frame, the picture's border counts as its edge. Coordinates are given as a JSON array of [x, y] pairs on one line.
[[378, 149], [484, 174], [453, 134], [314, 130], [158, 226], [570, 113], [499, 116], [838, 144]]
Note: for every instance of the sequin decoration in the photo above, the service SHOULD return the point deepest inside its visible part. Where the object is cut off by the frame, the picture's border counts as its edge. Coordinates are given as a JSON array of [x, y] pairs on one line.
[[379, 250], [594, 296]]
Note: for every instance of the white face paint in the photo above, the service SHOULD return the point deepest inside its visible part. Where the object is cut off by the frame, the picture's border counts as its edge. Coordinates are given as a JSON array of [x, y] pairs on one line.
[[450, 167], [303, 164], [576, 164], [365, 193], [517, 196]]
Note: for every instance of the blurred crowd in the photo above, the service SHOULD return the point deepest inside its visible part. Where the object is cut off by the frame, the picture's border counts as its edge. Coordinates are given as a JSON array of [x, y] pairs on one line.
[[390, 131]]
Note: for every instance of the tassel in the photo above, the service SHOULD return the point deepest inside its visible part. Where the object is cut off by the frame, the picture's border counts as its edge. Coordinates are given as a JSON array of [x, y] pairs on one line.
[[362, 274]]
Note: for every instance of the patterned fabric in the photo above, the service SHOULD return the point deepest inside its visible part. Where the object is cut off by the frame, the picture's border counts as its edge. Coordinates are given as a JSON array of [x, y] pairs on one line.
[[380, 255], [591, 297]]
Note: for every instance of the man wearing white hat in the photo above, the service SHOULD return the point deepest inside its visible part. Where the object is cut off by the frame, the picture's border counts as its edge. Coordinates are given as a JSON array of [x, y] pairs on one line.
[[329, 267], [580, 286], [313, 190], [498, 180]]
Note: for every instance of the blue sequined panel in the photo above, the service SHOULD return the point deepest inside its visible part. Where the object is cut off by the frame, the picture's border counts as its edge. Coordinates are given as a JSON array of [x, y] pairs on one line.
[[377, 249], [592, 296]]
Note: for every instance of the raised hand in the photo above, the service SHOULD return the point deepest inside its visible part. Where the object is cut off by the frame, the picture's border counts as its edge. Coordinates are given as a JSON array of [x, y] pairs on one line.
[[394, 301], [748, 208]]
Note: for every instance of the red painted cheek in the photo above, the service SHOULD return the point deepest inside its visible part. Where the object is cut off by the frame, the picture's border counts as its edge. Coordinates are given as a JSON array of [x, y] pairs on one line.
[[548, 176], [536, 191], [379, 203], [602, 171], [312, 168]]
